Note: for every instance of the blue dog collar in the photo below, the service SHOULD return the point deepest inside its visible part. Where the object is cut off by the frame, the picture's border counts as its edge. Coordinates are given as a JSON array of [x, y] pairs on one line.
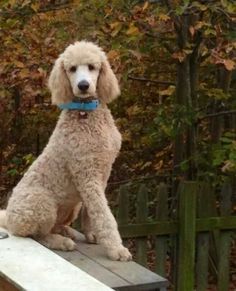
[[80, 105]]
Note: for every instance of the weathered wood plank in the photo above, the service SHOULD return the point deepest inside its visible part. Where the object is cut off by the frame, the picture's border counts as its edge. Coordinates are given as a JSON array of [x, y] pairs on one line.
[[202, 261], [161, 241], [174, 215], [33, 267], [204, 202], [141, 217], [136, 276], [152, 228], [213, 232], [171, 227], [225, 240], [187, 227], [212, 223], [223, 263], [93, 268]]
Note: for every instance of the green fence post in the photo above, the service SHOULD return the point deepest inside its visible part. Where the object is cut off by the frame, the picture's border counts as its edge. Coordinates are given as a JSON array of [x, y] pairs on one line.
[[205, 203], [161, 242], [225, 240], [141, 217], [187, 235]]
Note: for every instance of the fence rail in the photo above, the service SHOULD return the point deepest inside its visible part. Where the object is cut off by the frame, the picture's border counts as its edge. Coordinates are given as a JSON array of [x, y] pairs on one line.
[[197, 240]]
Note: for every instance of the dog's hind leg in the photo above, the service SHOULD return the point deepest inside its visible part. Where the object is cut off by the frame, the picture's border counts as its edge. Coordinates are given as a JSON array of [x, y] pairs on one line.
[[31, 212], [36, 217], [57, 242]]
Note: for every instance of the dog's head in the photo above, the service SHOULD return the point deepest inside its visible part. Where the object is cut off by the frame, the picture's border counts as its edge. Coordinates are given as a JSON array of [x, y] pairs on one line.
[[83, 70]]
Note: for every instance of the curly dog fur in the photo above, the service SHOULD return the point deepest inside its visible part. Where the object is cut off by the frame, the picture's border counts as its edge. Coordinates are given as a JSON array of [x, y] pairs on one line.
[[74, 167]]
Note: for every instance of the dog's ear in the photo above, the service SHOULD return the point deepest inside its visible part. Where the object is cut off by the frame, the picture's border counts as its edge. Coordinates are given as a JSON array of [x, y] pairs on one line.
[[108, 87], [59, 83]]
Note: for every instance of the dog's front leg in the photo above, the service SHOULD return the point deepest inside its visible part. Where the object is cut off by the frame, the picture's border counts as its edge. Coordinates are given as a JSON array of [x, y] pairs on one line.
[[87, 227], [86, 223], [104, 223]]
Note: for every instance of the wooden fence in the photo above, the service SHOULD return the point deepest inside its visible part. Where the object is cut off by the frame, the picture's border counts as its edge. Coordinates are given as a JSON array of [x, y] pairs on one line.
[[194, 238]]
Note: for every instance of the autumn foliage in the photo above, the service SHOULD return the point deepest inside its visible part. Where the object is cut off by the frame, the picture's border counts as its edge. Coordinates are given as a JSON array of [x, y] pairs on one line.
[[176, 65]]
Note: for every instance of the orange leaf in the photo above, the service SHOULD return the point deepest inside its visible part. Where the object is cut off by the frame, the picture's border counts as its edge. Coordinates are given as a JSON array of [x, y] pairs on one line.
[[180, 55], [35, 7], [164, 17], [167, 92], [229, 64], [116, 27], [112, 54], [19, 64], [24, 73], [115, 24], [199, 25], [145, 6], [192, 30], [133, 30], [159, 165]]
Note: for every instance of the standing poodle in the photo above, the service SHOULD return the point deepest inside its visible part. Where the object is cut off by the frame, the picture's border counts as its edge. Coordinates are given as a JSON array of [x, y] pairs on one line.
[[76, 163]]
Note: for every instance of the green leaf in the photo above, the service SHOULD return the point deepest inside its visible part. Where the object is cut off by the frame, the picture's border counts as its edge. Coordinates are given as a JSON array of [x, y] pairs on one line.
[[217, 94], [219, 157], [13, 172], [225, 140]]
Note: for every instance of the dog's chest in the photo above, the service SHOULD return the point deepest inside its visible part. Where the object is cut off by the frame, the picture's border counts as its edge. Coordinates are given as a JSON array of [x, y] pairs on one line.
[[95, 134], [89, 138]]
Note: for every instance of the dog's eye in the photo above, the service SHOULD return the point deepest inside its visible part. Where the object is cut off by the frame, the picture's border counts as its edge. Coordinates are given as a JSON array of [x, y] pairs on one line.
[[91, 67], [72, 69]]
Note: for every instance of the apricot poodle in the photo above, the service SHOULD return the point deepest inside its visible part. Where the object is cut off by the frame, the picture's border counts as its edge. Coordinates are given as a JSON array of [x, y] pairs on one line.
[[73, 169]]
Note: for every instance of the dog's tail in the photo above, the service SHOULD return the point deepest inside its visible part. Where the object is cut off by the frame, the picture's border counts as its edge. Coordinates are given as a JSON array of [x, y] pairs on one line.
[[3, 218]]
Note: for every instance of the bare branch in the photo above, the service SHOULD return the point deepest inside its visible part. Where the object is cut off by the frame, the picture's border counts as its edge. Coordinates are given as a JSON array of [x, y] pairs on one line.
[[139, 179], [151, 81], [217, 114]]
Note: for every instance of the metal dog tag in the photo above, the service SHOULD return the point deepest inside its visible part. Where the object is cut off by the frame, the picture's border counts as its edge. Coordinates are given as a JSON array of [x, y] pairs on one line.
[[3, 235]]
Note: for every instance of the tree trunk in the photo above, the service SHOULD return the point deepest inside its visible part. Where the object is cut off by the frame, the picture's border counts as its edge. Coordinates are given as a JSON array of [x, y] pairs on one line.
[[183, 146], [218, 123]]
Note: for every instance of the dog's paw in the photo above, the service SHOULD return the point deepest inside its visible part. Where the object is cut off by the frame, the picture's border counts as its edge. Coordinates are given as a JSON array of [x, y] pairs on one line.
[[119, 254], [67, 244], [90, 238]]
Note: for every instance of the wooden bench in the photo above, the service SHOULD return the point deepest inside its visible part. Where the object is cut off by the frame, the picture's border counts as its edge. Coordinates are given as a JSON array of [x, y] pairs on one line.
[[27, 265]]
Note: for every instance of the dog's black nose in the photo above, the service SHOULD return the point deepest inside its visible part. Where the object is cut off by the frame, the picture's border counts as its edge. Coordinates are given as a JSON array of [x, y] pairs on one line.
[[83, 85]]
